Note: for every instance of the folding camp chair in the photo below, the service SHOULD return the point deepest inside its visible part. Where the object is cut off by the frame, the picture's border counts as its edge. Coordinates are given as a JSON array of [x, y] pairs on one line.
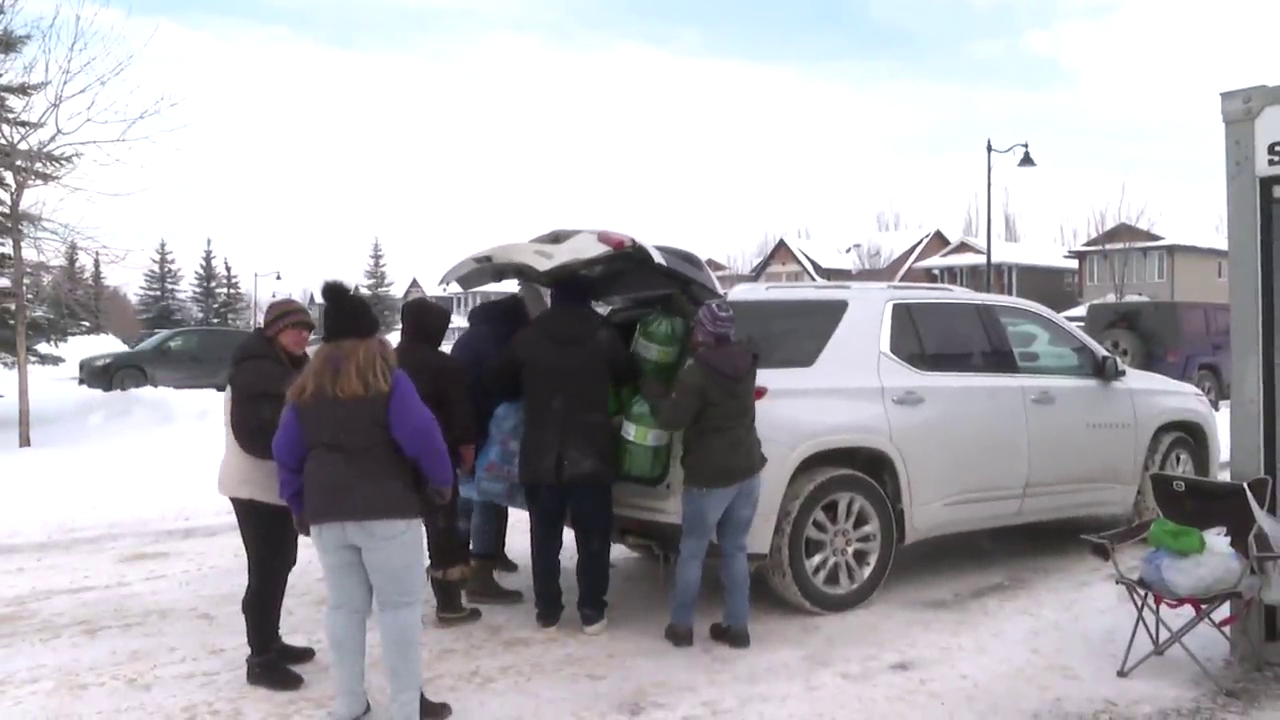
[[1201, 504]]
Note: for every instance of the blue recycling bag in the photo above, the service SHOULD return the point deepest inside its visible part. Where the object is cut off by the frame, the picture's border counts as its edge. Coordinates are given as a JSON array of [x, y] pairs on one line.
[[497, 473]]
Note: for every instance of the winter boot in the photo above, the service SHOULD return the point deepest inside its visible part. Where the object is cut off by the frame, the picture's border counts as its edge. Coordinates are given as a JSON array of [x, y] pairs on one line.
[[429, 709], [679, 636], [484, 589], [735, 637], [450, 610], [503, 563], [294, 654], [271, 673]]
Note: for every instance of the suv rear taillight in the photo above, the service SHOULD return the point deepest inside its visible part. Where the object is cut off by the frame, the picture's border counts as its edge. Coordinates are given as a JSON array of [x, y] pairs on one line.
[[615, 241], [761, 391]]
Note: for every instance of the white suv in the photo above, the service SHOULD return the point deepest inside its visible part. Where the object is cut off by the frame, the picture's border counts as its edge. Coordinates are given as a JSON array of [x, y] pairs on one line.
[[891, 413]]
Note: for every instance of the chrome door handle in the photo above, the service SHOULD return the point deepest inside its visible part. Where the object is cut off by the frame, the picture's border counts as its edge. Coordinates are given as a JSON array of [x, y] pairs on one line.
[[1043, 398], [908, 399]]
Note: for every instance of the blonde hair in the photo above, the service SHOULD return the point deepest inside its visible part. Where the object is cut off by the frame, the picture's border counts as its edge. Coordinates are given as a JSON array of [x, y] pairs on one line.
[[346, 369]]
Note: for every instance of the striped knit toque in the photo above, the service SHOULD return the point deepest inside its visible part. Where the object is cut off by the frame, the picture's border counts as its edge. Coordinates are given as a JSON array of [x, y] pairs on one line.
[[715, 319], [284, 313]]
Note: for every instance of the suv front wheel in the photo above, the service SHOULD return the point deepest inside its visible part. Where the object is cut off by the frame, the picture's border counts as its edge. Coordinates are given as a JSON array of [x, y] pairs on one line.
[[834, 541], [1171, 451]]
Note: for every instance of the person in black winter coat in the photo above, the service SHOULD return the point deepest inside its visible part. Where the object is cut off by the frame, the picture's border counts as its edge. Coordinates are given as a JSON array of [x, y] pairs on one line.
[[441, 383], [491, 327], [565, 365], [262, 367]]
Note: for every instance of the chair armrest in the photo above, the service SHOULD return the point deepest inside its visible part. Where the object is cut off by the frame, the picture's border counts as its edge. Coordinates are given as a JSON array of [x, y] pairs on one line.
[[1105, 544], [1261, 549]]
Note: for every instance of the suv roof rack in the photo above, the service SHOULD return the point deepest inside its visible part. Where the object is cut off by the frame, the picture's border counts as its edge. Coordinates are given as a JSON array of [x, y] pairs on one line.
[[863, 285]]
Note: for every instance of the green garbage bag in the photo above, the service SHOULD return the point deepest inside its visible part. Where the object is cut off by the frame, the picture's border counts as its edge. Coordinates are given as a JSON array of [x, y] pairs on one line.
[[658, 345], [645, 448], [1175, 538]]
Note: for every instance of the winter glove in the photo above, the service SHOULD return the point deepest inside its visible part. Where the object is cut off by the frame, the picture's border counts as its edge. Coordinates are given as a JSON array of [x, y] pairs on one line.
[[303, 528]]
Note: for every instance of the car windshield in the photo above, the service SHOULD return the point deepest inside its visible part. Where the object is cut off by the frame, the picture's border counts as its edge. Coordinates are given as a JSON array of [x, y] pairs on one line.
[[155, 340]]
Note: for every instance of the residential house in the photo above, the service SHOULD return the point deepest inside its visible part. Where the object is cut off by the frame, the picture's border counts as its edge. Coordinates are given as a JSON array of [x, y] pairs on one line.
[[883, 256], [1038, 272], [892, 256], [1128, 260], [725, 275]]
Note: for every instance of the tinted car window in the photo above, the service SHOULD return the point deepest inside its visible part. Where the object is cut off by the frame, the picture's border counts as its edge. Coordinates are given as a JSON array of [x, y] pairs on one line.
[[1195, 322], [952, 338], [788, 334], [904, 340], [1041, 346], [187, 341]]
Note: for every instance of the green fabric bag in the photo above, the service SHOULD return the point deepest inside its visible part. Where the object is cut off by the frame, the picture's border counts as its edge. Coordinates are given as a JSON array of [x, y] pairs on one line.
[[1175, 538]]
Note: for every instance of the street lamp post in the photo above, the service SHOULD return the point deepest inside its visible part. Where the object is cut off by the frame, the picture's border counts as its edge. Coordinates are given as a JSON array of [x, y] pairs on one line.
[[1025, 162], [277, 274]]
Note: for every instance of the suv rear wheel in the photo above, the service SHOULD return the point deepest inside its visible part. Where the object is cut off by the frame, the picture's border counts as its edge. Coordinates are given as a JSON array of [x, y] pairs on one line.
[[834, 541], [1171, 451]]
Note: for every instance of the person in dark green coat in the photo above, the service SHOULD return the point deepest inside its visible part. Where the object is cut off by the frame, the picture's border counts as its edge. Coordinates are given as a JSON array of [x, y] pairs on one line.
[[713, 403]]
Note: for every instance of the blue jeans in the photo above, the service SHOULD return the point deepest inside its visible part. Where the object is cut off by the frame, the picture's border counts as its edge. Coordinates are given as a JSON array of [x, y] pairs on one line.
[[727, 514], [487, 526], [378, 560]]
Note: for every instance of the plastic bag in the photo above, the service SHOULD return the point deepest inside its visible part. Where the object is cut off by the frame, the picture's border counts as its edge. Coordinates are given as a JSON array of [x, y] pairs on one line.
[[1218, 569], [497, 474], [1152, 572], [1270, 592]]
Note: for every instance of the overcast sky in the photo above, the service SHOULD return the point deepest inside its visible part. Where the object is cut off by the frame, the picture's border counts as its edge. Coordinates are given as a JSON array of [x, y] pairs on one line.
[[305, 129]]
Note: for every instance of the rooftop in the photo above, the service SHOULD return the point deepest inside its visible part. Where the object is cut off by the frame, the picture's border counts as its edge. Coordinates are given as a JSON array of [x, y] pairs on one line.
[[1022, 254]]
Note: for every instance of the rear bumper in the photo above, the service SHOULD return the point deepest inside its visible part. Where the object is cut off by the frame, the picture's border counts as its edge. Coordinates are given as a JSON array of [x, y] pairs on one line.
[[660, 537]]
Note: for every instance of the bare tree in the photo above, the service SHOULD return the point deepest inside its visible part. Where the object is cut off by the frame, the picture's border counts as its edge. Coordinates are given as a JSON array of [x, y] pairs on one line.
[[972, 220], [1116, 254], [889, 221], [1069, 236], [869, 256], [1011, 231], [119, 317], [62, 105], [742, 261]]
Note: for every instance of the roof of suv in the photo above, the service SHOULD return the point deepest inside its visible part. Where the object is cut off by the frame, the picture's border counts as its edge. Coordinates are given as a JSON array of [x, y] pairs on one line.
[[855, 289]]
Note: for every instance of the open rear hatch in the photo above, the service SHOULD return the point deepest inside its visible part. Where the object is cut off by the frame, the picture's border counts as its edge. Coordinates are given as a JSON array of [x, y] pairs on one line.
[[622, 270]]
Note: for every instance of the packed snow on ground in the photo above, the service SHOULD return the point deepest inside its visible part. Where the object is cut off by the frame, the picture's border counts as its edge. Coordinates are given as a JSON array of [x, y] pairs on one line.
[[123, 576]]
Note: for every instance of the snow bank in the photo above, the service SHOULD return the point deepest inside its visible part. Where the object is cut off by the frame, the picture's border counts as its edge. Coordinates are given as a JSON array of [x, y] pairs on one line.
[[106, 461], [75, 349]]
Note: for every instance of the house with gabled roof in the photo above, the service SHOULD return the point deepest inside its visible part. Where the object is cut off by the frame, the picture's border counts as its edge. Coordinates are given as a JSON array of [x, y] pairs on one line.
[[1126, 260], [883, 256], [1036, 271]]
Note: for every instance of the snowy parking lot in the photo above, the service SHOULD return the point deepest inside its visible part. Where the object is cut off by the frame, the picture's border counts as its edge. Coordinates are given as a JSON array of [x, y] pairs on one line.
[[123, 574]]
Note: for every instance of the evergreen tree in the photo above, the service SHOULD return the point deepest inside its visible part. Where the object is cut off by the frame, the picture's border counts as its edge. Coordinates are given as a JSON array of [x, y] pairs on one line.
[[232, 309], [205, 287], [40, 327], [70, 302], [377, 283], [97, 294], [159, 303], [28, 164]]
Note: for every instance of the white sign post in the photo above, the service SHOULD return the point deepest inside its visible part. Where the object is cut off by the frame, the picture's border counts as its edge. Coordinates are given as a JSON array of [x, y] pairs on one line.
[[1266, 141]]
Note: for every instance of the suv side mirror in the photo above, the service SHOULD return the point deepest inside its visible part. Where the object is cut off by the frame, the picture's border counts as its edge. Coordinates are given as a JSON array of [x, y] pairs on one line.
[[1109, 368]]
